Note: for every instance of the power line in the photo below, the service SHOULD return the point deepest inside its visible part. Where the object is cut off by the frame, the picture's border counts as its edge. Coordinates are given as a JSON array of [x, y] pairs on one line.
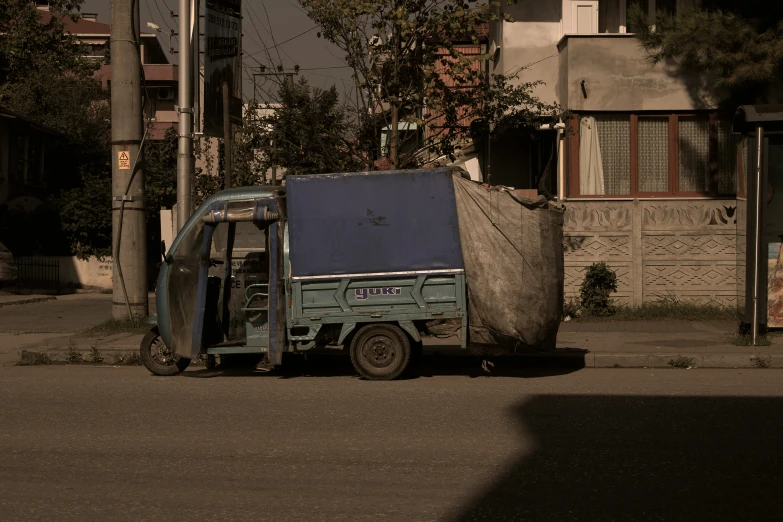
[[271, 33], [286, 41], [324, 68]]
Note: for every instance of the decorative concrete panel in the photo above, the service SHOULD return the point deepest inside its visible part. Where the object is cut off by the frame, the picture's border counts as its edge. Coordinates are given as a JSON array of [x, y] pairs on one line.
[[686, 249], [703, 215], [689, 244]]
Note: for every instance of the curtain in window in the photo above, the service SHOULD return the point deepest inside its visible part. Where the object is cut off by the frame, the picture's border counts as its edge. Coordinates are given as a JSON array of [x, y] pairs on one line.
[[694, 154], [614, 136], [654, 154], [591, 171]]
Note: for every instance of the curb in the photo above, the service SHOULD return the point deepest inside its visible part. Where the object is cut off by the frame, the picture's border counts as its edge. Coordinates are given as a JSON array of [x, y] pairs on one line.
[[668, 361], [28, 301]]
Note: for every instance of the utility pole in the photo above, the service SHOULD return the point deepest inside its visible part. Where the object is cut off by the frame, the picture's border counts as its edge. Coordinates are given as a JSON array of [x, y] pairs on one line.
[[188, 30], [129, 228], [226, 137]]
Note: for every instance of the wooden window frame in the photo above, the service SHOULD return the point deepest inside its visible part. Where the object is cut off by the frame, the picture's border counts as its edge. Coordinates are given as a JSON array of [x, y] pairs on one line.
[[673, 159]]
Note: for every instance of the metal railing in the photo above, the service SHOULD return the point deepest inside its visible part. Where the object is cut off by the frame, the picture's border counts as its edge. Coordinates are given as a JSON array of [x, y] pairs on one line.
[[37, 274]]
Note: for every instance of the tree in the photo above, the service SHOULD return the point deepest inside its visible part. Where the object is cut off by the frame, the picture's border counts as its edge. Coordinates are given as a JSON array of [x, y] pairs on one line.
[[738, 44], [309, 133], [409, 68], [29, 44], [44, 77]]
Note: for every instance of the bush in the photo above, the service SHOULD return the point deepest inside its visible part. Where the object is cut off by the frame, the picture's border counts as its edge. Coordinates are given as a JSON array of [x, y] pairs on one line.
[[599, 283]]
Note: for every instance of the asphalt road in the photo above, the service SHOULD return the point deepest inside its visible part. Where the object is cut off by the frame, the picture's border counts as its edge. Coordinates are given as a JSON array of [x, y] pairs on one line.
[[85, 443]]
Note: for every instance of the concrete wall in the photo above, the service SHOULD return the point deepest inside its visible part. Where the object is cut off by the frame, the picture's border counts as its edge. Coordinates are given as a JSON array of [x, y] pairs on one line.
[[531, 40], [618, 76], [617, 72], [78, 273], [683, 248]]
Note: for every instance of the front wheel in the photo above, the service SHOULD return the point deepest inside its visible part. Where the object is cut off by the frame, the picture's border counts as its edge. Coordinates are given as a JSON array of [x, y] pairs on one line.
[[380, 352], [157, 357]]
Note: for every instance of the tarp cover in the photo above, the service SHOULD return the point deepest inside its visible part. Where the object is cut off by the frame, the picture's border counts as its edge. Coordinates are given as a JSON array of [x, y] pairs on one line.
[[372, 222], [513, 253]]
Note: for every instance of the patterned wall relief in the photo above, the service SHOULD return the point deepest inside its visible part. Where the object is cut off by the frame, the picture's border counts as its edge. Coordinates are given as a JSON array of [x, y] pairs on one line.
[[579, 246], [677, 276], [690, 215], [689, 245], [684, 248], [586, 216]]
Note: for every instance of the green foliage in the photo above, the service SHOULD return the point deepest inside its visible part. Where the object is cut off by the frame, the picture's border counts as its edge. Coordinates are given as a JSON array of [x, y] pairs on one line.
[[95, 357], [682, 362], [408, 66], [127, 359], [746, 339], [310, 132], [739, 45], [29, 45], [86, 208], [73, 355], [33, 358], [599, 283]]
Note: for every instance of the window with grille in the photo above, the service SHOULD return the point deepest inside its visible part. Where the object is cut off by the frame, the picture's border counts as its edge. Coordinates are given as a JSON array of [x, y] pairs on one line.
[[652, 155]]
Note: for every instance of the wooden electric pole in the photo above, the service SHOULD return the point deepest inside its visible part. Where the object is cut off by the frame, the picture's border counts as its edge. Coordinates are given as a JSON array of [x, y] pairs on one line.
[[129, 228]]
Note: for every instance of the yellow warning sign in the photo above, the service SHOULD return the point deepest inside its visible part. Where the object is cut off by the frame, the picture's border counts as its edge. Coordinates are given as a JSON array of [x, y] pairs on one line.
[[123, 160]]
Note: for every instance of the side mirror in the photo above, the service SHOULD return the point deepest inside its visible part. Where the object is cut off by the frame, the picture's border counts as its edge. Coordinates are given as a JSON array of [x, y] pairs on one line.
[[163, 249]]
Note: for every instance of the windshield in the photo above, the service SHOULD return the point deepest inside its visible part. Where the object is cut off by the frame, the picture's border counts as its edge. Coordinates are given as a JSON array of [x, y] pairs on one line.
[[182, 287]]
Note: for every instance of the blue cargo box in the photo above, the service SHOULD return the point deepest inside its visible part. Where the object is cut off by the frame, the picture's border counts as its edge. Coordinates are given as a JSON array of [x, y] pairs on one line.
[[370, 223]]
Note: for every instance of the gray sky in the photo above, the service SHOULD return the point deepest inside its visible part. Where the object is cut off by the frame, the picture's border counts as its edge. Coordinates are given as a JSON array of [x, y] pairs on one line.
[[285, 20]]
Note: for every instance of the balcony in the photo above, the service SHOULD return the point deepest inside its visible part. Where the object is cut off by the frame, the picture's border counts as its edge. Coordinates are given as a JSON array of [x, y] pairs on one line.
[[611, 72]]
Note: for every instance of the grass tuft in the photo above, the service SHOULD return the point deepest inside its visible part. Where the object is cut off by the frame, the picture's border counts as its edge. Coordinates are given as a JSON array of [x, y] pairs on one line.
[[665, 308], [761, 362], [33, 358], [114, 327], [744, 339], [682, 362], [127, 359], [73, 356], [95, 356]]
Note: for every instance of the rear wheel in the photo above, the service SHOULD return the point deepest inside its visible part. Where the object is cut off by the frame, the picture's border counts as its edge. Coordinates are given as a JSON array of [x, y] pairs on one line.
[[380, 352], [157, 357]]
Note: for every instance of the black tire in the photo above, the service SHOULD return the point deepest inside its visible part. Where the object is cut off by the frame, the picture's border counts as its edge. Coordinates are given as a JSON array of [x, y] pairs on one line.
[[158, 359], [380, 352]]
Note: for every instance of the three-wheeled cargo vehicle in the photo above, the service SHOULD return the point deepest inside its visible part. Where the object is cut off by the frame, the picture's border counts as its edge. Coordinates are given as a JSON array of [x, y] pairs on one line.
[[378, 263], [355, 260]]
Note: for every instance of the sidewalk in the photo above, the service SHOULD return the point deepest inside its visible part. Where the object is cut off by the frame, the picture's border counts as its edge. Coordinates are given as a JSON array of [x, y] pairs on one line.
[[653, 344], [604, 344]]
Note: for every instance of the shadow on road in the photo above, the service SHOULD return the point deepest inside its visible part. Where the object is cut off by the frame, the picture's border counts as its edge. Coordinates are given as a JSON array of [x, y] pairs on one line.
[[632, 458], [430, 365]]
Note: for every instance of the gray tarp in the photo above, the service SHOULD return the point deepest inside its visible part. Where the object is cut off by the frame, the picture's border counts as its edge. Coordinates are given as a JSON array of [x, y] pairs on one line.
[[513, 253]]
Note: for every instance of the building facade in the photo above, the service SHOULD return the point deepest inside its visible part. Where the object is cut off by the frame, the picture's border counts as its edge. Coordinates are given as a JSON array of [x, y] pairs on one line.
[[160, 76], [647, 166]]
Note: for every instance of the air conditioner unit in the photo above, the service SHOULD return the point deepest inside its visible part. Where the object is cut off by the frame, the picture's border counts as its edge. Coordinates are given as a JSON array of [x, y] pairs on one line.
[[166, 94]]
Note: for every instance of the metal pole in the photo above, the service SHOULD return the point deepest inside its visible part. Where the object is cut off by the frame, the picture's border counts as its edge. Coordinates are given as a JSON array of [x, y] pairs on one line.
[[274, 168], [196, 96], [129, 228], [185, 159], [226, 137], [757, 231], [196, 67]]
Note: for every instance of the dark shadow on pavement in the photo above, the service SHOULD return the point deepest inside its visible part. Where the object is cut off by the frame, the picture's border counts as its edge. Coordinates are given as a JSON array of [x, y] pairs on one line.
[[636, 458], [430, 365]]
